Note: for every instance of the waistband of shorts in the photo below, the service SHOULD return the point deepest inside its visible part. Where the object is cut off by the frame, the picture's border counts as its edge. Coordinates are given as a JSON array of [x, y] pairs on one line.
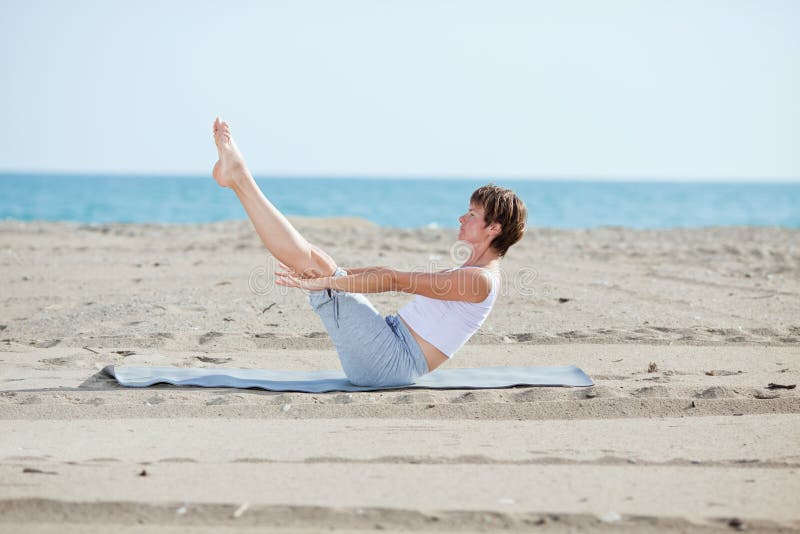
[[411, 343]]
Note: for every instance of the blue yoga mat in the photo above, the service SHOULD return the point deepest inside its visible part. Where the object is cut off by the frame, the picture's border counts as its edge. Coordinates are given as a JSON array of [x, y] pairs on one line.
[[322, 381]]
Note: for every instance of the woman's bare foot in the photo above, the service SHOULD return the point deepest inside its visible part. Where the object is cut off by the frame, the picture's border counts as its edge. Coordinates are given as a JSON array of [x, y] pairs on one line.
[[230, 169]]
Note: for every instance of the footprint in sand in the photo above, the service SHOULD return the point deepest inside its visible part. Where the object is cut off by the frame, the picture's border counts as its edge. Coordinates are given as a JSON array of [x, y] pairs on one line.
[[314, 335], [535, 394], [80, 361], [56, 361], [474, 396], [722, 331], [722, 372], [155, 399], [273, 397], [414, 398], [46, 344], [208, 336], [766, 332], [209, 359], [716, 392], [652, 391], [736, 339], [33, 470], [572, 334], [469, 396], [598, 392], [343, 398], [765, 394]]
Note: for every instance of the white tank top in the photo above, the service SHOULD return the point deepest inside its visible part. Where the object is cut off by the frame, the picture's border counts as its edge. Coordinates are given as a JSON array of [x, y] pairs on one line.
[[448, 324]]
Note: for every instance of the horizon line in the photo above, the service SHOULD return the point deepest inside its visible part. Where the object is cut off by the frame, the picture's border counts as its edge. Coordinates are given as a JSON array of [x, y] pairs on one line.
[[420, 176]]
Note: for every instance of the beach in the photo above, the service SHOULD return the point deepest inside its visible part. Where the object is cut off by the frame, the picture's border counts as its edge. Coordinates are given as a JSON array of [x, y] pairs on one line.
[[692, 337]]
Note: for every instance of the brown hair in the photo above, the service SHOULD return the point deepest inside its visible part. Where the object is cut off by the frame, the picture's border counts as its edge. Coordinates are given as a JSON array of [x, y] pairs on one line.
[[504, 207]]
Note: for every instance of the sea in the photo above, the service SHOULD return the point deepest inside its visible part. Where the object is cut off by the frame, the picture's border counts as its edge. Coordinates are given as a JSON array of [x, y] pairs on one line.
[[398, 202]]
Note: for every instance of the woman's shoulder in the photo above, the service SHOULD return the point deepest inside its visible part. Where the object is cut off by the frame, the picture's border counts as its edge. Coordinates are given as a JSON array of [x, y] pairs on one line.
[[493, 275], [492, 272]]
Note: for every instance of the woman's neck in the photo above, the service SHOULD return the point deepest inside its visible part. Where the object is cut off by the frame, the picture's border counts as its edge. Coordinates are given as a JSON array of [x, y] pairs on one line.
[[486, 258]]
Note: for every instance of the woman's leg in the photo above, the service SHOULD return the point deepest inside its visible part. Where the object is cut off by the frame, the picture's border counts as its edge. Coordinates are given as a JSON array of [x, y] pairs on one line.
[[374, 351], [275, 231]]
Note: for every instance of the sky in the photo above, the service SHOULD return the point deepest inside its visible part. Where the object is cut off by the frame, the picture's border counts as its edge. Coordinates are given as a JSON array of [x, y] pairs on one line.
[[565, 89]]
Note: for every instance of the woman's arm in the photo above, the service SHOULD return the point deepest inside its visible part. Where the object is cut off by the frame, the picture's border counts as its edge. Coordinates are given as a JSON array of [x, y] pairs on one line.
[[469, 285], [361, 270], [314, 275], [367, 280]]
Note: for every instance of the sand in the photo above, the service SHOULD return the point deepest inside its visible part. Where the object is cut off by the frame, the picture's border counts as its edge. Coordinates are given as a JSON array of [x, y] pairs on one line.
[[681, 330]]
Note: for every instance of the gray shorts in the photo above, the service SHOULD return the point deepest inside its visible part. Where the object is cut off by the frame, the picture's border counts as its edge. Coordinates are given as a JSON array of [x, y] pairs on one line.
[[374, 350]]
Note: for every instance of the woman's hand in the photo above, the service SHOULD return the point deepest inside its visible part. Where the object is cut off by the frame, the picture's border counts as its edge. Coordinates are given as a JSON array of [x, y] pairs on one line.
[[310, 273], [289, 278]]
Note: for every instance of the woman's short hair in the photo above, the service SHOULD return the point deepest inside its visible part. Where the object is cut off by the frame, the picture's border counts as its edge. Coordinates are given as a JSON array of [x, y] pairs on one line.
[[502, 206]]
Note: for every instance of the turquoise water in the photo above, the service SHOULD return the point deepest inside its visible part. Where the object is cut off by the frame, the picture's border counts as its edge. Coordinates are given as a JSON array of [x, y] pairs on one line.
[[403, 203]]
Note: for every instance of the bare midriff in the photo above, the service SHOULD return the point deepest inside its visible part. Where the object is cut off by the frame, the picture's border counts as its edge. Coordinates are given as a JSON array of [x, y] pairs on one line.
[[434, 356]]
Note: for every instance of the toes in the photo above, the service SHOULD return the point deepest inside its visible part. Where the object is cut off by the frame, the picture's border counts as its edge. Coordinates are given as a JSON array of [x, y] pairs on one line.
[[222, 132]]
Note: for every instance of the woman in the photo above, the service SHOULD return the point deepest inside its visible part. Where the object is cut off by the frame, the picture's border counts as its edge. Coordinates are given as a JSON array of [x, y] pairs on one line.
[[449, 306]]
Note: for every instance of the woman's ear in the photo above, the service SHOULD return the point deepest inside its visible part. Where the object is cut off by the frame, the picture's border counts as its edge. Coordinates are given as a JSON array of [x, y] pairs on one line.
[[496, 228]]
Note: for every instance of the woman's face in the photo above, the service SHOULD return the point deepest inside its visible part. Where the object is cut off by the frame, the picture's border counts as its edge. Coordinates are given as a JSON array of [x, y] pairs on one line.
[[473, 226]]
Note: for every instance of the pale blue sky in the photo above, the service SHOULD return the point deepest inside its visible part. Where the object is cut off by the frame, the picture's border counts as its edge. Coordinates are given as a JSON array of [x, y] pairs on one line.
[[581, 89]]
